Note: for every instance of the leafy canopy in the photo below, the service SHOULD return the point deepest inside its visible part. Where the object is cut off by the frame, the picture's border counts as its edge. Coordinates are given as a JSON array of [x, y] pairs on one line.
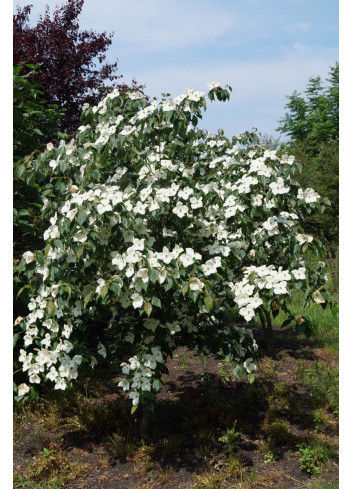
[[312, 123], [73, 60], [154, 229]]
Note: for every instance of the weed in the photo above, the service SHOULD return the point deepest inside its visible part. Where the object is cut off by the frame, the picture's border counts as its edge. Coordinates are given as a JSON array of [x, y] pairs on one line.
[[322, 381], [236, 467], [144, 454], [182, 360], [49, 469], [230, 438], [212, 480], [225, 372], [278, 431], [313, 456], [98, 419], [270, 457], [172, 445], [117, 448], [269, 368], [165, 475], [281, 389]]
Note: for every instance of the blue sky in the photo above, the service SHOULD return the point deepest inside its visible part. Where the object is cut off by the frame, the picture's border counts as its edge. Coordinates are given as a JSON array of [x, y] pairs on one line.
[[264, 49]]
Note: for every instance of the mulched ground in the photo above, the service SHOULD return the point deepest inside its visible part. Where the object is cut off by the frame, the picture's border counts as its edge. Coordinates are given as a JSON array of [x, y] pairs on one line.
[[194, 408]]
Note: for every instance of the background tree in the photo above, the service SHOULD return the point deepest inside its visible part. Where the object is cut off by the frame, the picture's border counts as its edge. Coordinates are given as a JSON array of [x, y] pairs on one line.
[[312, 123], [35, 122], [73, 60]]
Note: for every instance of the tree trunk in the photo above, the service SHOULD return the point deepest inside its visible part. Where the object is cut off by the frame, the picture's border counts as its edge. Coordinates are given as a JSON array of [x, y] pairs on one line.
[[145, 425], [265, 318]]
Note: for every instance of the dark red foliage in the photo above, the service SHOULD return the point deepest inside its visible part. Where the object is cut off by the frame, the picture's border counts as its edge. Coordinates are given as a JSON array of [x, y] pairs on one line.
[[73, 59]]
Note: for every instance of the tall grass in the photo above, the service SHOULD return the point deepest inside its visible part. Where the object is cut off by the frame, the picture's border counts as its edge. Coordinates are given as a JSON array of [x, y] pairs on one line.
[[324, 322]]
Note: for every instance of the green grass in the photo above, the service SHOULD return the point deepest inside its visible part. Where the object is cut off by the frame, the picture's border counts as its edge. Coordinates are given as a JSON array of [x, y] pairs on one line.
[[322, 381], [324, 322]]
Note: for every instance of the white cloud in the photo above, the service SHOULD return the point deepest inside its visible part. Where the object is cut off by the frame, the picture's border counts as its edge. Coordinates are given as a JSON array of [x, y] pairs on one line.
[[160, 25], [251, 81], [259, 86], [143, 26]]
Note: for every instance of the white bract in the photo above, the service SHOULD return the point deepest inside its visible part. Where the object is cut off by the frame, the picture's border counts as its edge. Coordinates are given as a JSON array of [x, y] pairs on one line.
[[155, 228]]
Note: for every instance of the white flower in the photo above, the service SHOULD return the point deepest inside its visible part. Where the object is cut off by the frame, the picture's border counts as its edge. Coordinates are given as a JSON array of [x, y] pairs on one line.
[[125, 384], [137, 301], [211, 265], [134, 95], [213, 85], [140, 208], [60, 383], [168, 105], [118, 260], [279, 187], [28, 256], [34, 379], [195, 96], [143, 275], [166, 256], [134, 363], [52, 374], [304, 238], [249, 365], [189, 257], [196, 284], [52, 232], [22, 389], [101, 350], [128, 130], [47, 341], [180, 209], [157, 355], [299, 274], [309, 195], [135, 396], [280, 288], [318, 298], [80, 237], [93, 362]]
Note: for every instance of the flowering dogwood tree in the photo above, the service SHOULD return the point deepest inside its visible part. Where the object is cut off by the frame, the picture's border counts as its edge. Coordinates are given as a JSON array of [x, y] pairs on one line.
[[155, 228]]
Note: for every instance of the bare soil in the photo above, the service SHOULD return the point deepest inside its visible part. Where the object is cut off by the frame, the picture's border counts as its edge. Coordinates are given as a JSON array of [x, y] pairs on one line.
[[195, 407]]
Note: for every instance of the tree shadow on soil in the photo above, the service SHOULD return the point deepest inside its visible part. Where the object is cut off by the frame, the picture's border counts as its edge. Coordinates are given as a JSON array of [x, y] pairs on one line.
[[195, 408]]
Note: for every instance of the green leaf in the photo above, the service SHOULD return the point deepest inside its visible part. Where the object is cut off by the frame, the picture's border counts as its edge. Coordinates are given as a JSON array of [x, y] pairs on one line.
[[208, 300], [15, 339], [133, 409], [156, 302], [51, 309], [184, 289], [116, 288], [147, 308], [80, 251], [157, 385], [104, 291], [251, 378], [22, 289], [40, 258], [153, 275], [287, 321], [87, 299], [33, 392], [81, 217], [46, 453], [168, 284]]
